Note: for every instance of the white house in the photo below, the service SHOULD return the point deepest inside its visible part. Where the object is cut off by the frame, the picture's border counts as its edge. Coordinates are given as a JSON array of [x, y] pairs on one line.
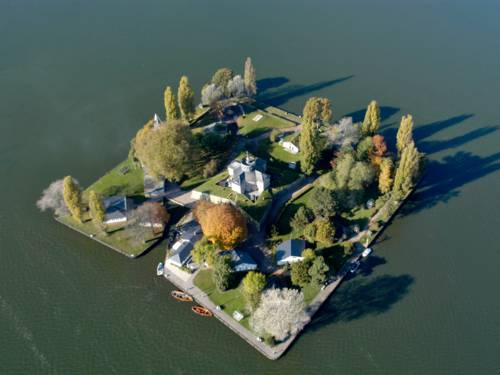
[[247, 176], [290, 147], [116, 209], [290, 251]]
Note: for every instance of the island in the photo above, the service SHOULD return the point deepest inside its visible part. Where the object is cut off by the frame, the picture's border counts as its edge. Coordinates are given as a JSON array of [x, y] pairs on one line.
[[261, 213]]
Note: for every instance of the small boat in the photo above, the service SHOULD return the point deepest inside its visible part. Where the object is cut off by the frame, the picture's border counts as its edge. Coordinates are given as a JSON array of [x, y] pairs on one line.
[[181, 296], [159, 269], [201, 311], [354, 267], [366, 252]]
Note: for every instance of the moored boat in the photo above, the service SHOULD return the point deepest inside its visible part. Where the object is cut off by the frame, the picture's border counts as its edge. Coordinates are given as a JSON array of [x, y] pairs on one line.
[[200, 310], [366, 252], [159, 269], [181, 296]]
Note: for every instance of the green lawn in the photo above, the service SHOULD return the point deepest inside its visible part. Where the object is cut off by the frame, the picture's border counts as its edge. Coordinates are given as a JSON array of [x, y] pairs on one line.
[[283, 223], [115, 182], [250, 128], [231, 300], [310, 291]]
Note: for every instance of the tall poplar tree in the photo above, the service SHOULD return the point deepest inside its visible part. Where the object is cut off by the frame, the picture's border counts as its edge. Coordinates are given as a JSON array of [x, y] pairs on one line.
[[385, 176], [405, 133], [185, 95], [371, 123], [408, 167], [96, 208], [171, 108], [72, 197], [317, 111], [250, 78]]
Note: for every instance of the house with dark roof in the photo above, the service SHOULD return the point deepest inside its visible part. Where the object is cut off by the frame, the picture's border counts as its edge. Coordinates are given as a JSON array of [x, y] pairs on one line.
[[116, 209], [248, 176], [180, 252], [289, 251], [241, 261]]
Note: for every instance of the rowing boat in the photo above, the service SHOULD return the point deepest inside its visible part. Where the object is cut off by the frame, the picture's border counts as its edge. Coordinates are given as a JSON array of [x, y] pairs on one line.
[[181, 296], [201, 311]]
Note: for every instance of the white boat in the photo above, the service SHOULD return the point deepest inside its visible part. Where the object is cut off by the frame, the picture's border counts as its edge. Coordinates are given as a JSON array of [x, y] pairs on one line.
[[159, 269], [366, 252]]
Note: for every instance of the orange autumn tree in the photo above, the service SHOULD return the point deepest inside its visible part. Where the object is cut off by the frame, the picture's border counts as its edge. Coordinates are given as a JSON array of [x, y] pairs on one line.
[[222, 224], [379, 149]]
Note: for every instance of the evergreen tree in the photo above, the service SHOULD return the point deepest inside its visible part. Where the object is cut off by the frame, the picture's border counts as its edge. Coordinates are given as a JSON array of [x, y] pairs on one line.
[[299, 273], [72, 197], [250, 78], [325, 231], [371, 123], [385, 177], [222, 272], [407, 170], [185, 95], [96, 208], [317, 271], [171, 108], [405, 133]]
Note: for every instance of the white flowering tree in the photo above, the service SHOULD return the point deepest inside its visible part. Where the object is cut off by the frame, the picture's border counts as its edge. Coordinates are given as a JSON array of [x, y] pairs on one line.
[[210, 94], [52, 199], [280, 313], [236, 87], [344, 133]]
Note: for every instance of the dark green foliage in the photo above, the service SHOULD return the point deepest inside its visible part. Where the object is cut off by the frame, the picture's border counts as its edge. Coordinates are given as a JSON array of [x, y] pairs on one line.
[[222, 272], [364, 148], [302, 217], [299, 274], [322, 203], [310, 232], [318, 270]]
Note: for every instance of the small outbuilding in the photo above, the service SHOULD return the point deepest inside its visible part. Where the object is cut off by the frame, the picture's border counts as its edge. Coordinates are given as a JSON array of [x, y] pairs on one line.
[[290, 147], [116, 209], [289, 251]]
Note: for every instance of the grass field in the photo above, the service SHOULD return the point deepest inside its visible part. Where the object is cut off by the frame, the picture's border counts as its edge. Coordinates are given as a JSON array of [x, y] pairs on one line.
[[250, 128], [231, 300], [115, 182]]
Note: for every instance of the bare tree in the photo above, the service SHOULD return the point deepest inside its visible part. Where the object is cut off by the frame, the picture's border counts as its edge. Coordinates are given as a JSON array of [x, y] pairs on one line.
[[210, 94], [280, 313], [52, 198], [236, 87], [149, 215], [344, 133]]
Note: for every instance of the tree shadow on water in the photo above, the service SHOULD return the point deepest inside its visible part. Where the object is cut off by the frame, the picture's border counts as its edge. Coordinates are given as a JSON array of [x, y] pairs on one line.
[[270, 83], [284, 94], [385, 113], [361, 297], [444, 178]]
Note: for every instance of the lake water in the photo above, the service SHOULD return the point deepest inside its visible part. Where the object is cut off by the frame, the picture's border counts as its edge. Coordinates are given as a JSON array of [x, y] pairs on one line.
[[78, 78]]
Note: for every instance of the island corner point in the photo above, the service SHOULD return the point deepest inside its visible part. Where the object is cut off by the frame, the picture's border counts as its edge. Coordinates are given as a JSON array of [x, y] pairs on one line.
[[262, 213]]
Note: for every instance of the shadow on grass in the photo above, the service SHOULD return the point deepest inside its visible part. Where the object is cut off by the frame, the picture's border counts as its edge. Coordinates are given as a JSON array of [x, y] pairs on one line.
[[361, 297]]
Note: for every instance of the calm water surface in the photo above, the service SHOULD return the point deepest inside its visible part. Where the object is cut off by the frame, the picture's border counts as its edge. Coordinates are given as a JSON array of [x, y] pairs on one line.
[[78, 78]]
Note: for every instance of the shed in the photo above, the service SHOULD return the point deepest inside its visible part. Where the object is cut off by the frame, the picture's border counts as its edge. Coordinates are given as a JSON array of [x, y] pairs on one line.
[[290, 251]]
